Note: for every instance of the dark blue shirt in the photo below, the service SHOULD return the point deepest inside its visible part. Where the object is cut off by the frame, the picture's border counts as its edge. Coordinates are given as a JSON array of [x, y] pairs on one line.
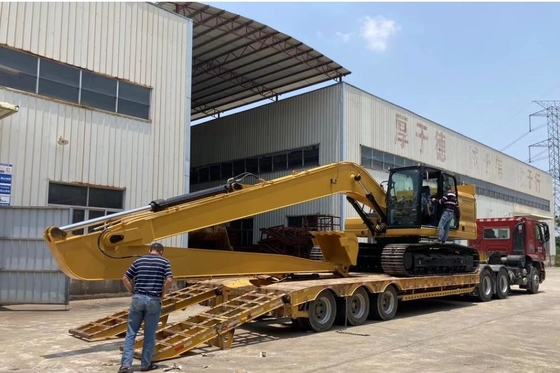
[[149, 273]]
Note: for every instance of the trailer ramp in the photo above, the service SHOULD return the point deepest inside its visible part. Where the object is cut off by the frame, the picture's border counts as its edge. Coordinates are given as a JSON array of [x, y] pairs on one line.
[[116, 324], [215, 326]]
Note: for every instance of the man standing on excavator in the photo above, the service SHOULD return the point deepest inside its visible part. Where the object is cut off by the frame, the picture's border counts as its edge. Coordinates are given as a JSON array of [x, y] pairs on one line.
[[152, 280], [449, 204]]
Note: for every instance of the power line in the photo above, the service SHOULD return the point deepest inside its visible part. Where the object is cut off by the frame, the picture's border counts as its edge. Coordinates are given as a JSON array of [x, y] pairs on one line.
[[526, 107]]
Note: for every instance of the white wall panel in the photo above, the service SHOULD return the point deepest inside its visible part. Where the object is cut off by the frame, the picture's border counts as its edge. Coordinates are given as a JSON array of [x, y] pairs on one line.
[[372, 121], [138, 42], [299, 121]]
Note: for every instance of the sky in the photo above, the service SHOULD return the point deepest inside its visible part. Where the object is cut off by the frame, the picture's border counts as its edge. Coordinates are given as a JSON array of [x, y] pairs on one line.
[[475, 68]]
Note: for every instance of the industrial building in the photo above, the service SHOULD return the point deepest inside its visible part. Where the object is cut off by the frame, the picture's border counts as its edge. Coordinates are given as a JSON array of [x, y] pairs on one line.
[[97, 103], [103, 91], [342, 122]]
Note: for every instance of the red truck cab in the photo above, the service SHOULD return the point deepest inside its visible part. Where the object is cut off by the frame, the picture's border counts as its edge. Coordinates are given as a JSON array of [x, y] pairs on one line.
[[517, 241]]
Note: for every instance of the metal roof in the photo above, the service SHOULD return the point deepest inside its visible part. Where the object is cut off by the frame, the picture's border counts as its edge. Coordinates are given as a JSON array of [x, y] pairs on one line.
[[238, 61], [7, 109]]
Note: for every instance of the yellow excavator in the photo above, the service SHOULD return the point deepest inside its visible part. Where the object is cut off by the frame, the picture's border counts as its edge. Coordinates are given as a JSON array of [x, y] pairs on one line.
[[399, 220]]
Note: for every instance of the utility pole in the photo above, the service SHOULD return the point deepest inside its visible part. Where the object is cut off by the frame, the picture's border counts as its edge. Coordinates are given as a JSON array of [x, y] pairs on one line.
[[551, 110]]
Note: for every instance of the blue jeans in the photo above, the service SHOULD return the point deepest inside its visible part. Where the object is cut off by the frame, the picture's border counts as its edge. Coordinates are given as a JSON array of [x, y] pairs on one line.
[[147, 309], [443, 227]]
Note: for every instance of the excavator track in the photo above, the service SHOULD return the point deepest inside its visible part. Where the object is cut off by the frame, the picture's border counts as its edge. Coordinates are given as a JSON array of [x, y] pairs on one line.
[[422, 259]]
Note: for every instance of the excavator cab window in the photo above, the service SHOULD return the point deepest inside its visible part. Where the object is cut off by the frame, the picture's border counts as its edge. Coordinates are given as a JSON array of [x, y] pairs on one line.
[[403, 197], [409, 196]]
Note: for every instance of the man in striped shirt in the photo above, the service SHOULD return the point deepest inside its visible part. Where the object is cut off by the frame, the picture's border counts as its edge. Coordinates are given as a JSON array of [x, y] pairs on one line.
[[449, 204], [152, 280]]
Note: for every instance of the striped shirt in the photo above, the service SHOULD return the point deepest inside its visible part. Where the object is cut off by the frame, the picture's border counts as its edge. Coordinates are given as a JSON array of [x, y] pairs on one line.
[[449, 201], [149, 273]]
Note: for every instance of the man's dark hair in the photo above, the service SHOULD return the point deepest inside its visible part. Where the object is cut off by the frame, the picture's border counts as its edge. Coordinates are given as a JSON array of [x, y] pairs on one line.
[[156, 246]]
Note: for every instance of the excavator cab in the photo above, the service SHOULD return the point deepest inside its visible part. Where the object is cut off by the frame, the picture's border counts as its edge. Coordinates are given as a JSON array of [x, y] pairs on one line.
[[409, 196]]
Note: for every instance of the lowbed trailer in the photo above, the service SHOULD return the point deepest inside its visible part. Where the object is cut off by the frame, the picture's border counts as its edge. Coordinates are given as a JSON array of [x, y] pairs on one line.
[[316, 304], [402, 260]]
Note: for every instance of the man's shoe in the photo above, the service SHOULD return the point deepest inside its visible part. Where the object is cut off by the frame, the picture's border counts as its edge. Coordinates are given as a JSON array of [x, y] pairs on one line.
[[151, 367]]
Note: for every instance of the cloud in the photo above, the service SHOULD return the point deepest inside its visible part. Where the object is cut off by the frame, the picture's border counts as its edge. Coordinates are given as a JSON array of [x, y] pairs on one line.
[[377, 31], [344, 37]]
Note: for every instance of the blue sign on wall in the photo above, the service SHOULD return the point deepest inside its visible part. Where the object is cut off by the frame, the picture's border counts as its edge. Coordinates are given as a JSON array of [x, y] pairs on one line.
[[5, 184]]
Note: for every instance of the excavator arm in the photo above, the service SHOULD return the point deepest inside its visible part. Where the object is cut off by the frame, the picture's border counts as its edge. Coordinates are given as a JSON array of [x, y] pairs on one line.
[[110, 243]]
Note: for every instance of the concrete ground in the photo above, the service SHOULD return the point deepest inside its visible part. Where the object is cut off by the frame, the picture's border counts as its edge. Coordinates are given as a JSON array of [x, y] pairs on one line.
[[519, 334]]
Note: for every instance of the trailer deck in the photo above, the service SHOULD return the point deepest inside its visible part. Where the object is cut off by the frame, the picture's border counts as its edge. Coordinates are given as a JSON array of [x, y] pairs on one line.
[[312, 303]]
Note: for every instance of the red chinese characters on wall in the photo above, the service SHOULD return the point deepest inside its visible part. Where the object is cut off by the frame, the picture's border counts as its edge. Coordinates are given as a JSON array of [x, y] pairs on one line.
[[487, 162], [499, 168], [401, 123], [441, 152], [421, 135], [537, 181], [530, 178], [474, 156]]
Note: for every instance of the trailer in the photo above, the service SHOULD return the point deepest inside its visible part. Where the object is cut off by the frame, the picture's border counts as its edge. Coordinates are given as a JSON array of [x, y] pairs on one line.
[[346, 282]]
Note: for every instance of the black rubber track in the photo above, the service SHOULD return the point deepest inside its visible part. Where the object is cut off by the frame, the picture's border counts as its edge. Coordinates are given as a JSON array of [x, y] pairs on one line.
[[422, 259]]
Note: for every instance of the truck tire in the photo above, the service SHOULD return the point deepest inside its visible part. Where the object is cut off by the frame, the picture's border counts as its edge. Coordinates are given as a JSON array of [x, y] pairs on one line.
[[502, 284], [533, 280], [486, 286], [321, 312], [358, 308], [383, 306]]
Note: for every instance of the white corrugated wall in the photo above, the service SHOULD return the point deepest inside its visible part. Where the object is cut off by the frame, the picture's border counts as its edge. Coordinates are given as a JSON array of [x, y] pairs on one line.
[[372, 122], [299, 121], [138, 42]]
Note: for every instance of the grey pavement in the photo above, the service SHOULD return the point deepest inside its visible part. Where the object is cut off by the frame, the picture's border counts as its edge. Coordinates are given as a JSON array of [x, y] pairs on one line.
[[518, 334]]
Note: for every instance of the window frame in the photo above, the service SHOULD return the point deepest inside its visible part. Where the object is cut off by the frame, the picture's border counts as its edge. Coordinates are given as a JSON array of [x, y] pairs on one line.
[[40, 80]]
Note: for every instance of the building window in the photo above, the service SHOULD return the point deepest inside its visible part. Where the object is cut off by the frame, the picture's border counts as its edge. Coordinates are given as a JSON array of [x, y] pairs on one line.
[[98, 91], [59, 81], [134, 100], [274, 162], [379, 160], [30, 73], [18, 70], [85, 202], [241, 231], [314, 222]]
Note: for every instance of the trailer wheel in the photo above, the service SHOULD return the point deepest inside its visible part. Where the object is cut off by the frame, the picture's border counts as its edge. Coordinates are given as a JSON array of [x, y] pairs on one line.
[[384, 305], [502, 284], [533, 280], [321, 312], [485, 287], [358, 308]]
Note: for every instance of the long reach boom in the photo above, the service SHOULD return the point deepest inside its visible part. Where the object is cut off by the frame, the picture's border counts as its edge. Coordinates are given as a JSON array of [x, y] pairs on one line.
[[103, 248]]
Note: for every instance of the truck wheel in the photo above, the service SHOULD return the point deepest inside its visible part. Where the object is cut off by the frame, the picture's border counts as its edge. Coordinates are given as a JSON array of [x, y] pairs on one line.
[[321, 312], [502, 284], [533, 280], [384, 305], [485, 287], [358, 308]]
